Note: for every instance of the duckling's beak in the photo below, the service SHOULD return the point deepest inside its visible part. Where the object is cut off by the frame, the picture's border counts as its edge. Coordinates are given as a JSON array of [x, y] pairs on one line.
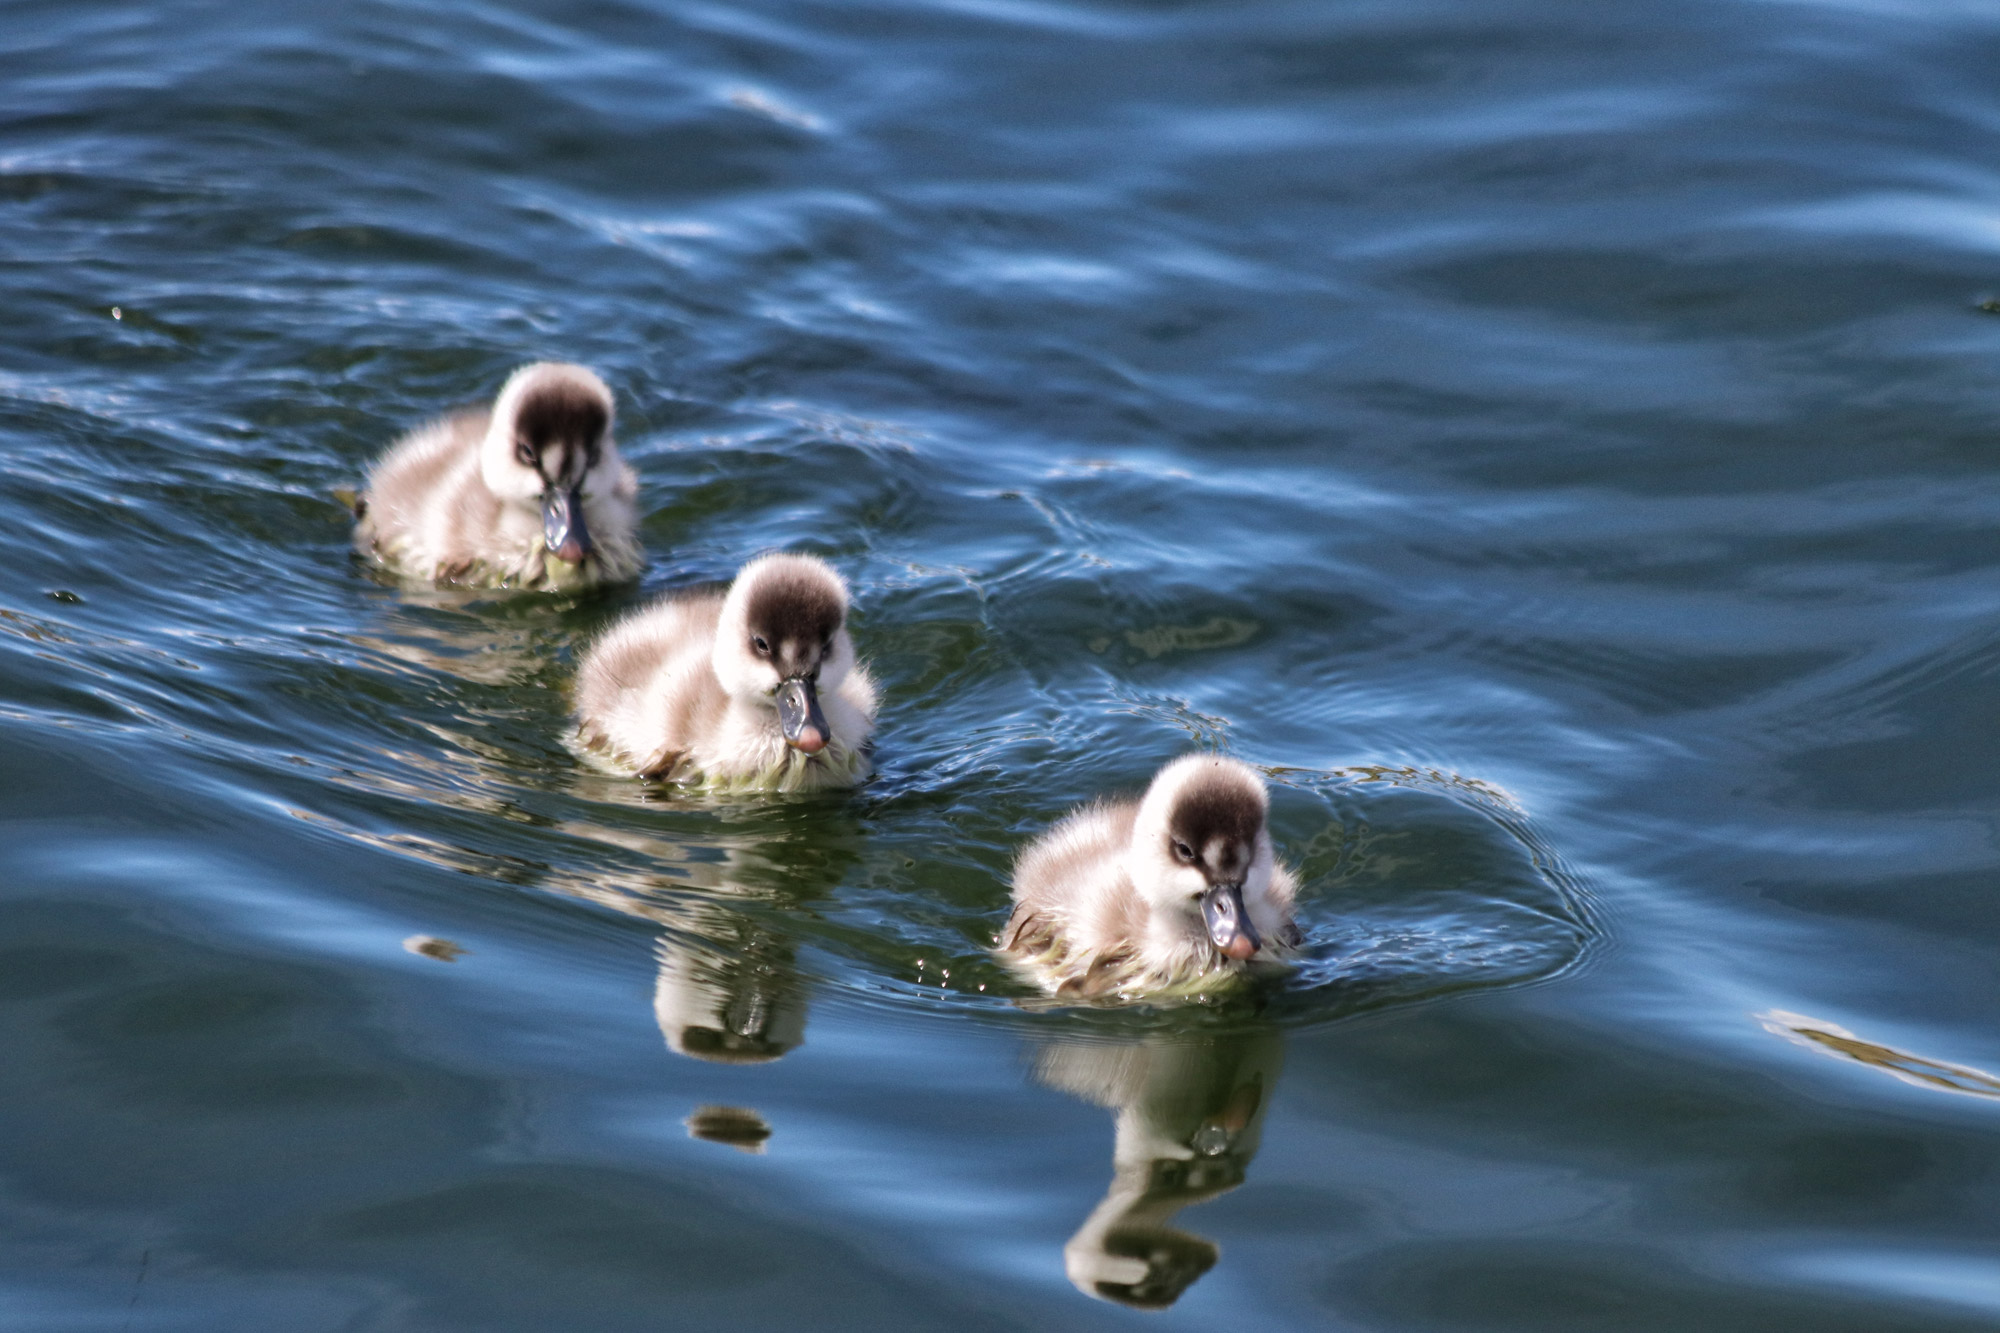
[[563, 527], [1228, 921], [799, 716]]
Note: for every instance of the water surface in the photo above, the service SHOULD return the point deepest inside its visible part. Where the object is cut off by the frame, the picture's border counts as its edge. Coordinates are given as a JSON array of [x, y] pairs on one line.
[[1553, 440]]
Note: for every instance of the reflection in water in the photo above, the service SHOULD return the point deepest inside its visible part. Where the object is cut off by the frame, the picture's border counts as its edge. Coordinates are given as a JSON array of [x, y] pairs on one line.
[[734, 997], [728, 989], [736, 1126], [440, 630], [434, 946], [1189, 1115], [729, 985], [1833, 1039]]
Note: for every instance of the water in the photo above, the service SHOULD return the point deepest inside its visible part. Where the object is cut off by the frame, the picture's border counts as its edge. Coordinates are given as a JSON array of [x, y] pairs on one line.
[[1554, 440]]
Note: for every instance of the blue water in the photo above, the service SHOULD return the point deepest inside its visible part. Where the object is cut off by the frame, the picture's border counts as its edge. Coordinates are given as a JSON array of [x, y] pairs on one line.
[[1555, 441]]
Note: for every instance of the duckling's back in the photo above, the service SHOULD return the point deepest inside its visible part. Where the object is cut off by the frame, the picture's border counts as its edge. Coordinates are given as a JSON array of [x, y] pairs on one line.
[[424, 499], [646, 691], [1075, 910]]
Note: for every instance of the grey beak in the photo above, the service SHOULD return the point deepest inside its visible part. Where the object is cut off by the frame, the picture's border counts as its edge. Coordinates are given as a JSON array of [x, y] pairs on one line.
[[563, 527], [1229, 922], [799, 716]]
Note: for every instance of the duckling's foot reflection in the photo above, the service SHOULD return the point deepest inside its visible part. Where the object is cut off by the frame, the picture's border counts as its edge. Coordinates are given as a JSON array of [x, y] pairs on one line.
[[738, 1127], [433, 946], [1189, 1114]]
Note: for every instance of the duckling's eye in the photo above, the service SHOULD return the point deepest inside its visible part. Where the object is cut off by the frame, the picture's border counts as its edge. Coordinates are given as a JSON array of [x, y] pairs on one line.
[[1183, 853], [761, 644], [525, 452]]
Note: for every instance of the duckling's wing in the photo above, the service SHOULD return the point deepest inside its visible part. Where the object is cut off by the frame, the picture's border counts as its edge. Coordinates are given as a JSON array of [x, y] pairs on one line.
[[1065, 882], [1076, 858], [1283, 896], [646, 690], [1284, 890], [850, 712], [415, 466], [420, 475]]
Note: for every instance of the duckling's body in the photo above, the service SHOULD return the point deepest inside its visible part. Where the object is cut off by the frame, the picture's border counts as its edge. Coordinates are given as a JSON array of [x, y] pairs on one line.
[[683, 690], [1178, 891], [530, 493]]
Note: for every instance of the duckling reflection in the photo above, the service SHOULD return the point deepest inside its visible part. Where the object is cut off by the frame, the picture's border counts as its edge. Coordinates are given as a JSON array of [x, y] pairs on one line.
[[1190, 1114], [738, 1001], [728, 988]]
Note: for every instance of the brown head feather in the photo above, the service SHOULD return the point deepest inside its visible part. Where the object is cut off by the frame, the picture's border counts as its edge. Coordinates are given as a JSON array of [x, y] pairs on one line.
[[565, 412], [797, 611], [1220, 806]]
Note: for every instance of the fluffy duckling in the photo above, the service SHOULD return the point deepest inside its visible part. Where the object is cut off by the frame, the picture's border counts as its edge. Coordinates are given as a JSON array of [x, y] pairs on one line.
[[756, 688], [1176, 891], [529, 494]]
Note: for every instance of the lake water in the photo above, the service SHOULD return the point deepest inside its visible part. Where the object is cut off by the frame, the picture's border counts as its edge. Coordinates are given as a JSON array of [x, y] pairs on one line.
[[1558, 442]]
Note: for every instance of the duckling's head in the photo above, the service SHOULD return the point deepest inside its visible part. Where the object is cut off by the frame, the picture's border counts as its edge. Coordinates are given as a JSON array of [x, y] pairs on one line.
[[551, 425], [1201, 850], [783, 639], [744, 1011], [1138, 1262]]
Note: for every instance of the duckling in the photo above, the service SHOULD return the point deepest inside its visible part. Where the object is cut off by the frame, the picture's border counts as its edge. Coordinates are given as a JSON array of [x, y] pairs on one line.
[[1176, 891], [530, 494], [758, 688]]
